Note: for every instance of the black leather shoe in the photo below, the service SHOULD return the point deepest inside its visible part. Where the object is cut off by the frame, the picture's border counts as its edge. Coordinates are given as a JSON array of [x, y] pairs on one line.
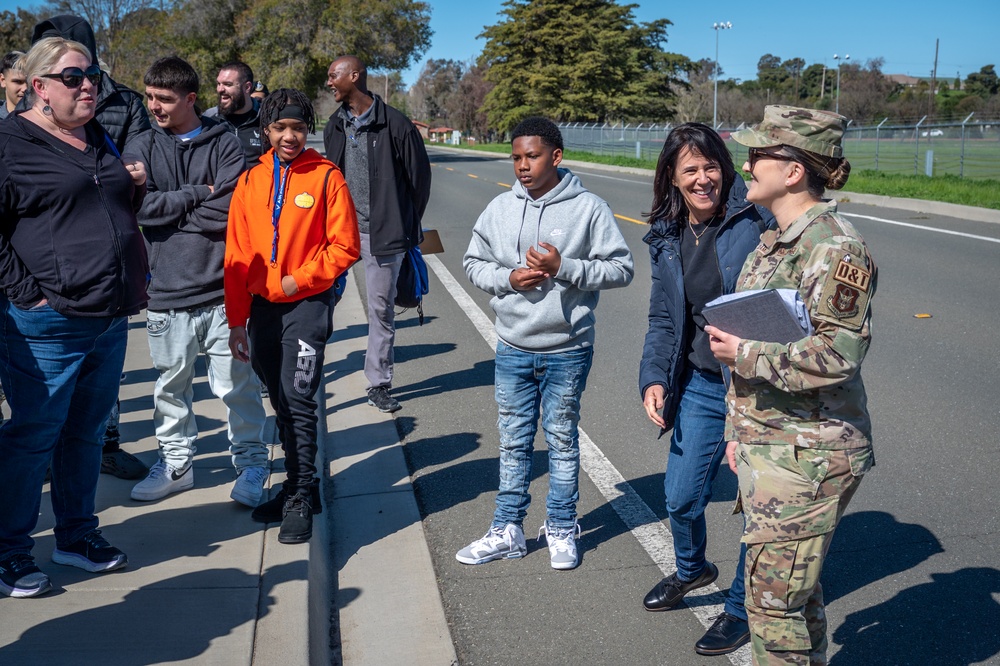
[[727, 634], [669, 591]]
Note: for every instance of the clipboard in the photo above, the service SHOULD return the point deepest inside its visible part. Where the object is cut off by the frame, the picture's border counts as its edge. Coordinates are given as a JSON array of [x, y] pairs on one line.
[[756, 315]]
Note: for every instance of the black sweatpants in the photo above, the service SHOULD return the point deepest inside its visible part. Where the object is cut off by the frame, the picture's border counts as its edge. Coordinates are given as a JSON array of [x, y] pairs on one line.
[[287, 341]]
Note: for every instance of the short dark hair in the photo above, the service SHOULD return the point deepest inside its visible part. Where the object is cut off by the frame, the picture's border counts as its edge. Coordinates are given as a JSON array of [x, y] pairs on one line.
[[543, 128], [241, 68], [172, 73], [279, 99], [10, 60], [668, 202]]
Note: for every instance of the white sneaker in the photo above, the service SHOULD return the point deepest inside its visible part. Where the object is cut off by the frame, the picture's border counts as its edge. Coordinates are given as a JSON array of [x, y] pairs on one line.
[[562, 545], [507, 543], [163, 480], [249, 486]]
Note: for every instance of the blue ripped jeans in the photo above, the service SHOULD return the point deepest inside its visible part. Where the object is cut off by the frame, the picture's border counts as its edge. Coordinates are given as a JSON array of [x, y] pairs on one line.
[[529, 386]]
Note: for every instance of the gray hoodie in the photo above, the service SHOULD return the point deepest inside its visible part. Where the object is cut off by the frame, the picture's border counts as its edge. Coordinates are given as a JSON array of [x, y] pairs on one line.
[[557, 315], [183, 221]]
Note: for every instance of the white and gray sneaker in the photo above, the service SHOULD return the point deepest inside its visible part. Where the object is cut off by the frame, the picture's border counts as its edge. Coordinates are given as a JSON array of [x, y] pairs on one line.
[[163, 480], [562, 545], [507, 543], [249, 486]]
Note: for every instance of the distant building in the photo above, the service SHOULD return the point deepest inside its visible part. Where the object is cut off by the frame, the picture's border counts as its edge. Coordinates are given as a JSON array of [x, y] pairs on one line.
[[422, 128], [904, 80], [440, 134]]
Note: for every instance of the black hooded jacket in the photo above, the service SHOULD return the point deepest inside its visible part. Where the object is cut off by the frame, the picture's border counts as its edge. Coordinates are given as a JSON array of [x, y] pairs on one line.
[[120, 109], [68, 231]]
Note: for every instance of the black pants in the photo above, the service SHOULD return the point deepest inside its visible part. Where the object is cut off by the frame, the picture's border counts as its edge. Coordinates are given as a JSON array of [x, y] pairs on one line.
[[287, 341]]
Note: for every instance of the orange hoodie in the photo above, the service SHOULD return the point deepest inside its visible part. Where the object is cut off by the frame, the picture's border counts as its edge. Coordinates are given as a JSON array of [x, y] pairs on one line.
[[315, 244]]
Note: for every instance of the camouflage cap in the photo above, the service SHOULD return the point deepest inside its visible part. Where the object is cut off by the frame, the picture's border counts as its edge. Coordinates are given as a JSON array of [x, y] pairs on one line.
[[809, 129]]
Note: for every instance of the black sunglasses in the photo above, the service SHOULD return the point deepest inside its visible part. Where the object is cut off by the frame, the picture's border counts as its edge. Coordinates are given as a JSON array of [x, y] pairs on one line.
[[754, 154], [72, 77]]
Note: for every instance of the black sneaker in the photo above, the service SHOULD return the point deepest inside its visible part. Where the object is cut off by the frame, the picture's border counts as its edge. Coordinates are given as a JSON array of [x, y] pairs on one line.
[[380, 399], [20, 578], [122, 464], [273, 510], [91, 553], [297, 525]]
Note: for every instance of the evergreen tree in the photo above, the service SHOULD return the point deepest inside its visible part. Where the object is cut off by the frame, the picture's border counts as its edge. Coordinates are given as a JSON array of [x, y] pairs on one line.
[[577, 60]]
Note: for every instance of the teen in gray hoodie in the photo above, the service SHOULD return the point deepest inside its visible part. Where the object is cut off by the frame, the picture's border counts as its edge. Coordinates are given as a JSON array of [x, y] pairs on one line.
[[193, 165], [544, 251]]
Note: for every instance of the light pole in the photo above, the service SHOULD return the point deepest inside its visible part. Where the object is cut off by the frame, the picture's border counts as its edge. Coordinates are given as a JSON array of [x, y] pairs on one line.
[[838, 59], [715, 100]]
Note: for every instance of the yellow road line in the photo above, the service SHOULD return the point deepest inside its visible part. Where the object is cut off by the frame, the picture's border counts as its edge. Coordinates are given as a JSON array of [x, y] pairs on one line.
[[472, 175], [504, 185], [628, 219]]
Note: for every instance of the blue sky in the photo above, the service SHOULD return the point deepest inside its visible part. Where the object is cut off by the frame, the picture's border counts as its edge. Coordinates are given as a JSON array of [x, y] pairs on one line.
[[901, 33], [904, 36]]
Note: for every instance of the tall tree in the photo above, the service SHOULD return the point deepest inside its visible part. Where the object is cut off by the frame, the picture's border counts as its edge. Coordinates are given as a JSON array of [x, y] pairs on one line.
[[384, 34], [111, 20], [576, 60], [983, 83], [438, 82], [15, 30], [465, 105]]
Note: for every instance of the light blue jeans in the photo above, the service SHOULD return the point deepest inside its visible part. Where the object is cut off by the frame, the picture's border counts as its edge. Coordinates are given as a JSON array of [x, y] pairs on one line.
[[529, 385], [62, 376], [697, 451], [176, 337]]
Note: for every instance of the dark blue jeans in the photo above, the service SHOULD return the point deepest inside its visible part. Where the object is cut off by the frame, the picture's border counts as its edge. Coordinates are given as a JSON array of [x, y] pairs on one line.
[[62, 374], [696, 451], [529, 386]]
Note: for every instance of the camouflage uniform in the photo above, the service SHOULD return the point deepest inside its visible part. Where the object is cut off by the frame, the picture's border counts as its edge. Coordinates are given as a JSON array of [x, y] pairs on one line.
[[799, 413]]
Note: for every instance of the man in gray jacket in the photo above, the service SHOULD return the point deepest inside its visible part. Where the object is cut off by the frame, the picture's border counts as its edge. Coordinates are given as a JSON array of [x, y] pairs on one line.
[[193, 165]]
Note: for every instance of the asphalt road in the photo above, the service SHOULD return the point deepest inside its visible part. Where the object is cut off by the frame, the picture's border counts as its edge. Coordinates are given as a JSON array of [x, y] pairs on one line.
[[912, 577]]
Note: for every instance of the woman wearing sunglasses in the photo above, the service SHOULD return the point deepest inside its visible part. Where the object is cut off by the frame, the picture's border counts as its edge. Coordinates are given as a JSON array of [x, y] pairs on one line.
[[702, 229], [799, 434], [72, 267]]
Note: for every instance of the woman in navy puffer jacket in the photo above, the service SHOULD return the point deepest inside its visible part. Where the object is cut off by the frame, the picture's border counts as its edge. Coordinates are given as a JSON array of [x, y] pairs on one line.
[[702, 229]]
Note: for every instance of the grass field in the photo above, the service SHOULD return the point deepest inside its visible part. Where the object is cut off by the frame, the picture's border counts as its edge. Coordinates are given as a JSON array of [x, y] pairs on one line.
[[980, 192]]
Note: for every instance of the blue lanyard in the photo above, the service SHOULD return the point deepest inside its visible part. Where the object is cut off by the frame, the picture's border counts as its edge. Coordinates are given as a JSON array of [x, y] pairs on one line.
[[280, 182]]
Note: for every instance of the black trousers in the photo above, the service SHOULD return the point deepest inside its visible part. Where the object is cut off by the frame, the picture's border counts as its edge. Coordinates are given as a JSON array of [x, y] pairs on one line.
[[287, 341]]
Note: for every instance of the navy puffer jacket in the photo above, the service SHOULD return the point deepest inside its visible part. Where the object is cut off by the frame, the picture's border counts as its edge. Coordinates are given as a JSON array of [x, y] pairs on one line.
[[664, 354]]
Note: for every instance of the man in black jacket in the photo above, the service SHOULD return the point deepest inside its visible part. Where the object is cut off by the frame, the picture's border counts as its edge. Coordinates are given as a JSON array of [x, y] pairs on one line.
[[121, 112], [234, 86], [367, 137]]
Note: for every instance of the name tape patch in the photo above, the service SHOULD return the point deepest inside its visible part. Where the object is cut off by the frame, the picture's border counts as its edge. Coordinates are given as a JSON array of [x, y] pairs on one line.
[[851, 275]]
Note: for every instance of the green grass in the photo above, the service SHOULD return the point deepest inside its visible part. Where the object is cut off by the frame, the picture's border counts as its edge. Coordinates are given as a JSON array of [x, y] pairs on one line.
[[980, 192]]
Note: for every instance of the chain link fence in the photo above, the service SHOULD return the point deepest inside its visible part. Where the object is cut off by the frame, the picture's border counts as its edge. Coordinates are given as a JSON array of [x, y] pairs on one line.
[[970, 149]]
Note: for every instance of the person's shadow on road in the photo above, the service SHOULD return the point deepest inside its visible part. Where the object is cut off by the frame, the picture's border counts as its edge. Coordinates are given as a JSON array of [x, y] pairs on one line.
[[951, 621]]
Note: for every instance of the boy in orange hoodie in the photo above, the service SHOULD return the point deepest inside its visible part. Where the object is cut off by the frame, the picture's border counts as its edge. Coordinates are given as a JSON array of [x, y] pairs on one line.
[[292, 231]]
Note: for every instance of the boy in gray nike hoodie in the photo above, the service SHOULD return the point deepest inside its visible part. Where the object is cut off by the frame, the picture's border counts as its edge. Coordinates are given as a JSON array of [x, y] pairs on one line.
[[544, 251]]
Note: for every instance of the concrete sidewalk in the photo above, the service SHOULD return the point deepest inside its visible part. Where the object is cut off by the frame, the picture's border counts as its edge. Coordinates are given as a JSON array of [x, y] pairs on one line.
[[207, 585]]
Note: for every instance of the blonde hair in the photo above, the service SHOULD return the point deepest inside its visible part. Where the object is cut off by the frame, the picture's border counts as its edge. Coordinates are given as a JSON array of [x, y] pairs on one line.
[[43, 56]]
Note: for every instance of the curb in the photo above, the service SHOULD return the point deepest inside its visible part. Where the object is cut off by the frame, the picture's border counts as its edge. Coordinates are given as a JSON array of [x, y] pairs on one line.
[[385, 603]]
